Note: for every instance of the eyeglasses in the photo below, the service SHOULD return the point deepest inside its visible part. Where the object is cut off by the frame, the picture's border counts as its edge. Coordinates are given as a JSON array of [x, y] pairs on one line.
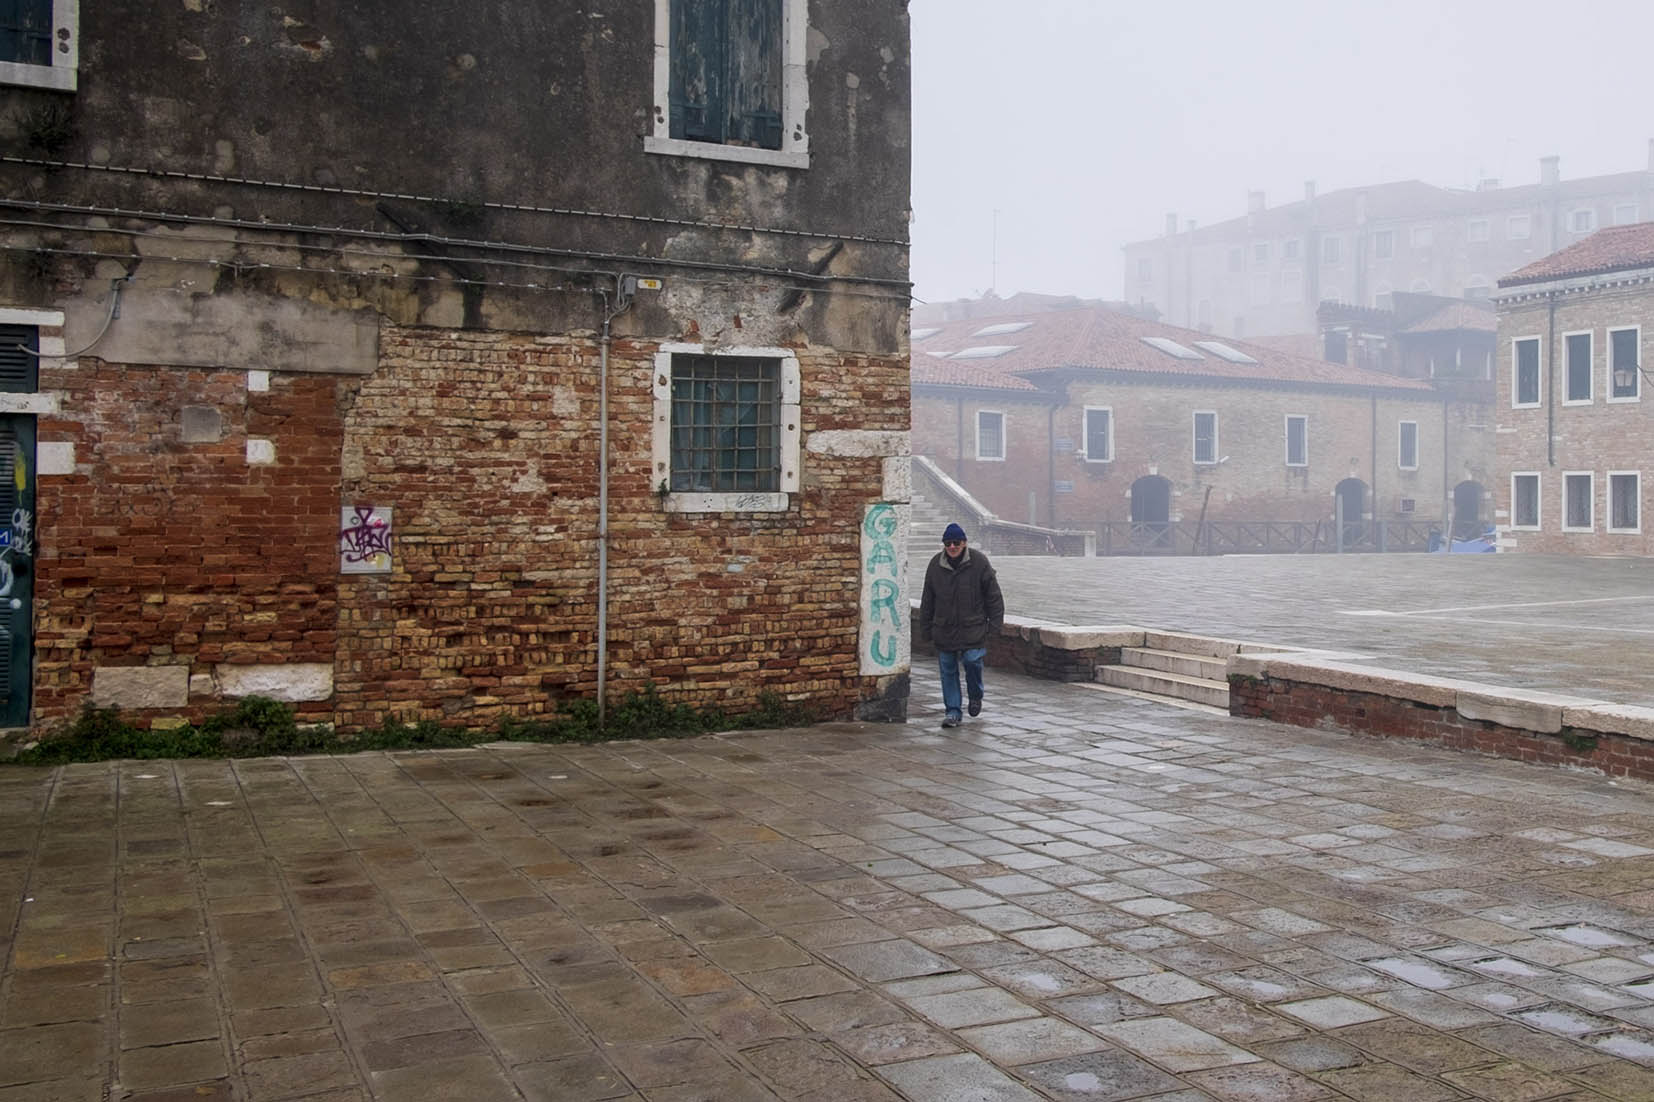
[[953, 543]]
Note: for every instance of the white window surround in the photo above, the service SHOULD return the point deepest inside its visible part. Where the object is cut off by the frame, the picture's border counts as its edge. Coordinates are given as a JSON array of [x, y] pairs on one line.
[[1539, 389], [1194, 438], [1401, 446], [1625, 213], [1384, 244], [1107, 412], [1519, 227], [61, 74], [661, 434], [1477, 230], [1608, 394], [1567, 367], [1304, 418], [1567, 478], [1582, 220], [795, 97], [1003, 428], [1637, 483], [1421, 237], [1538, 502]]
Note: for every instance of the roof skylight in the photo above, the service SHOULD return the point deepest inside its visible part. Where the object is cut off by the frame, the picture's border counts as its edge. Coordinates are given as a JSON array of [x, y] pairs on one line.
[[1224, 351], [1003, 328], [1172, 348], [921, 334], [984, 351]]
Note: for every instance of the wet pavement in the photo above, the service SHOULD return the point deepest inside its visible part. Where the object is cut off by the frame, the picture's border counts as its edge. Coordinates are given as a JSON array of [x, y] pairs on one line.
[[1580, 626], [1077, 896]]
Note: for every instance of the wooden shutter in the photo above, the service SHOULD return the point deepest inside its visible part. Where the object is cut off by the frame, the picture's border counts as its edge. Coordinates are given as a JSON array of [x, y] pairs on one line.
[[725, 79], [755, 73], [698, 65], [19, 366]]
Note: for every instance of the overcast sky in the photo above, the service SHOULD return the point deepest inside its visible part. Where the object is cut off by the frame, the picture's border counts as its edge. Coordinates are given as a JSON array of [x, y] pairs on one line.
[[1085, 122]]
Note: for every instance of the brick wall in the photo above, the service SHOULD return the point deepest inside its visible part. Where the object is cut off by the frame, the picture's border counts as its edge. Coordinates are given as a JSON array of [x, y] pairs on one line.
[[161, 552], [1598, 437], [1307, 705]]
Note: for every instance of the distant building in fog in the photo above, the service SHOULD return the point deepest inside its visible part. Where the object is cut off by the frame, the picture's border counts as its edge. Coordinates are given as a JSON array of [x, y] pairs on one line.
[[1575, 409], [1085, 417], [1266, 272]]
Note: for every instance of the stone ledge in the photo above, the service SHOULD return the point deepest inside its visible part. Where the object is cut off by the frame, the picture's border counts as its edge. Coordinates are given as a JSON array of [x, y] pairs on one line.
[[1516, 708], [1631, 720]]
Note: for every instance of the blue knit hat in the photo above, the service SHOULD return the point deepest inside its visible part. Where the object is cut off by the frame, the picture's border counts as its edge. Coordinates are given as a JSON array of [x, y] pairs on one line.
[[953, 532]]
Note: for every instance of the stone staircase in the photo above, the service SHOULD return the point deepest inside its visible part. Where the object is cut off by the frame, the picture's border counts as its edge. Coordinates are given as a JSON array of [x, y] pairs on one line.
[[1175, 667]]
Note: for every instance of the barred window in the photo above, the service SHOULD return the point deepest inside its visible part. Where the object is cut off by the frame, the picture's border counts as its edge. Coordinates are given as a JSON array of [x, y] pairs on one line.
[[726, 413]]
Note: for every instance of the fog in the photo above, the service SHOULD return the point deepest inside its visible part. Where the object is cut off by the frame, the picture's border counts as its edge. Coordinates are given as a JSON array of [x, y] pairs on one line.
[[1083, 123]]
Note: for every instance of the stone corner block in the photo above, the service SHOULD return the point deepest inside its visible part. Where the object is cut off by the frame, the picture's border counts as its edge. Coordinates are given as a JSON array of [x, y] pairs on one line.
[[1631, 720], [140, 686], [1089, 637], [294, 682]]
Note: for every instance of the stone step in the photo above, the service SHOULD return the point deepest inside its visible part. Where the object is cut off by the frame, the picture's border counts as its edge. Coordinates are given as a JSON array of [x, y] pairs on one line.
[[1170, 661], [1177, 685], [1184, 643]]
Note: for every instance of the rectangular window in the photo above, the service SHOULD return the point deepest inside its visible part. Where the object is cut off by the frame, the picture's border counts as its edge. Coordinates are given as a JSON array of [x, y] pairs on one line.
[[1576, 351], [726, 428], [1145, 270], [1263, 292], [1624, 501], [1260, 253], [1577, 501], [1237, 259], [1297, 440], [1524, 375], [1519, 227], [1407, 445], [1206, 437], [1524, 500], [990, 434], [1384, 244], [1624, 380], [729, 80], [1289, 249], [1583, 220], [1625, 213], [1330, 250], [1476, 230], [39, 43], [19, 358], [1099, 434], [1292, 285], [1422, 237]]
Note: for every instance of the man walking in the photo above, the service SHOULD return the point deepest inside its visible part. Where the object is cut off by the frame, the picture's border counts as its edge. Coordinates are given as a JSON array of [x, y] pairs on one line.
[[960, 609]]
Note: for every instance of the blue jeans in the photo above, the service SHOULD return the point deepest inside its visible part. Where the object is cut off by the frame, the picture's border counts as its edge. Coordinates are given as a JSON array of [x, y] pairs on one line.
[[950, 661]]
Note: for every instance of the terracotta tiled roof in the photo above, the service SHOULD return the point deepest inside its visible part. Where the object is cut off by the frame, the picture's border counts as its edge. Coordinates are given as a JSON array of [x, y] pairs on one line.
[[1458, 315], [1098, 339], [1610, 250], [1298, 344]]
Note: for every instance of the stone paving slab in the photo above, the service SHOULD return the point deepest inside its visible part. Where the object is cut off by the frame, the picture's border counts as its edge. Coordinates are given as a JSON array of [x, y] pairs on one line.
[[1075, 896]]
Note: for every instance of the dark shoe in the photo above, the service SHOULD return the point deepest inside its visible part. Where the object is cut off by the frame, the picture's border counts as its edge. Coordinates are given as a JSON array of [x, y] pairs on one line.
[[975, 708], [950, 720]]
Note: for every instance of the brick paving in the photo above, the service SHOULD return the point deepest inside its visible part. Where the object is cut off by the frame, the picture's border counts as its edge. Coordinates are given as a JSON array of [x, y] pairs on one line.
[[1077, 896]]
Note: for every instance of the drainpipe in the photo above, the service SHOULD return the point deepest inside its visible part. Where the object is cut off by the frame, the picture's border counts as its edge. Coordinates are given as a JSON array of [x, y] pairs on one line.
[[1051, 466], [1550, 378], [1374, 468], [624, 287]]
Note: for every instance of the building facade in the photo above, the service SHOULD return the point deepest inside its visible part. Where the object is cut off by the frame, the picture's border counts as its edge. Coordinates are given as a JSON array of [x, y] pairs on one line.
[[1266, 272], [454, 366], [1089, 417], [1573, 401]]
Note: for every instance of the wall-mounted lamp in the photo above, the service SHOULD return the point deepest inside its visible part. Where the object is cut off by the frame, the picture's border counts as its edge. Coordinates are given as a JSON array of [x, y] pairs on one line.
[[1624, 379]]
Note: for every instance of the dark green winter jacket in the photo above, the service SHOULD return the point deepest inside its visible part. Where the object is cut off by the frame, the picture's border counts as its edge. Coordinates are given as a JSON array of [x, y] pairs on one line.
[[961, 606]]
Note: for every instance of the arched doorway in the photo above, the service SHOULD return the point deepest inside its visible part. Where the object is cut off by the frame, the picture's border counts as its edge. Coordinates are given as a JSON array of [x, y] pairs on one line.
[[1467, 511], [1350, 501], [1151, 512]]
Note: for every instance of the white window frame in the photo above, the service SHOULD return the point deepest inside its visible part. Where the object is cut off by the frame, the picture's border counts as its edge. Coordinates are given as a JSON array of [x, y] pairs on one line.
[[1587, 224], [1260, 252], [795, 97], [1085, 434], [1194, 438], [1608, 521], [1590, 502], [1538, 502], [1590, 371], [1519, 227], [63, 73], [1384, 244], [1421, 237], [1004, 442], [1332, 250], [788, 446], [1401, 446], [1292, 285], [1145, 270], [1515, 361], [1304, 419], [1263, 289], [1636, 394], [1478, 231], [1289, 249], [1622, 209]]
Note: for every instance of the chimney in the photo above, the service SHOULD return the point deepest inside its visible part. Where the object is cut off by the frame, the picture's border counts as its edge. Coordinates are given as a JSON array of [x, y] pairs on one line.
[[1487, 183], [1550, 170], [1651, 154], [1191, 225], [1254, 202], [1309, 190], [1171, 225]]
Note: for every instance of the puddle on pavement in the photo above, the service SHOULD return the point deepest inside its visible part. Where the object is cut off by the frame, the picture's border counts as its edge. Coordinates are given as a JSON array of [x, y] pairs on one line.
[[1572, 1023], [1589, 936], [1082, 1082], [1504, 966], [1413, 972]]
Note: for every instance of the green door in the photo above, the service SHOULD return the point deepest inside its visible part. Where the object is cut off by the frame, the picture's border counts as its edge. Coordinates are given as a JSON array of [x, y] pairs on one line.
[[16, 566]]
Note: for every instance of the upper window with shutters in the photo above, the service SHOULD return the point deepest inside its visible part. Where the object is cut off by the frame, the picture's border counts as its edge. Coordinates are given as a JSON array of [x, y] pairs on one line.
[[730, 82], [39, 43]]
